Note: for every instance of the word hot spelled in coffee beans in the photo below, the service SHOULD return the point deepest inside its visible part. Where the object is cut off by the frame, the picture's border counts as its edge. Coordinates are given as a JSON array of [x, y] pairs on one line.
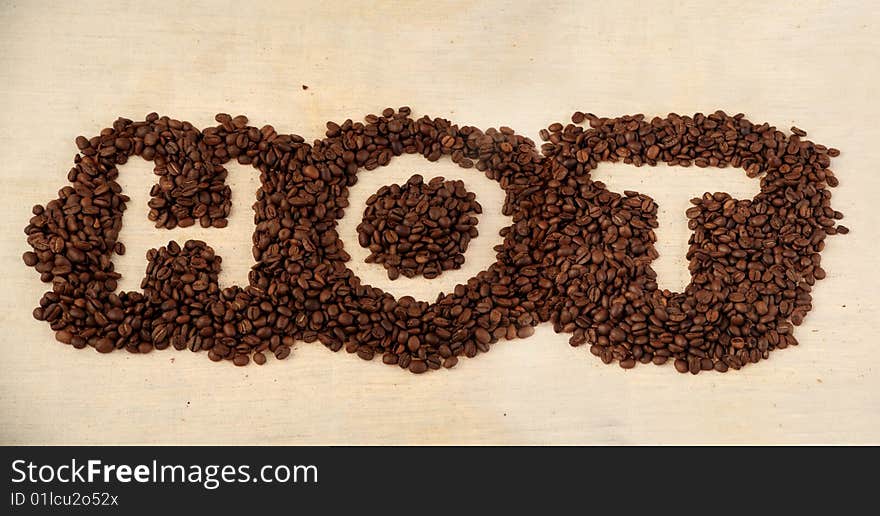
[[419, 228], [576, 254]]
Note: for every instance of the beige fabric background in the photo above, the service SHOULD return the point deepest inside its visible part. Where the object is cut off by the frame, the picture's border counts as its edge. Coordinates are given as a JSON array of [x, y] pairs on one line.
[[70, 68]]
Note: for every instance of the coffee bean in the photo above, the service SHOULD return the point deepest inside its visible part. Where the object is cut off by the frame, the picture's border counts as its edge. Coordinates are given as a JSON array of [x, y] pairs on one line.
[[30, 258], [282, 352], [525, 332], [418, 367], [104, 345], [311, 172]]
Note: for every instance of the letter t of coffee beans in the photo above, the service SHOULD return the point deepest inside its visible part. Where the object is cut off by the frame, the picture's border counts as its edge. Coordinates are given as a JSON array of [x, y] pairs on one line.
[[671, 189]]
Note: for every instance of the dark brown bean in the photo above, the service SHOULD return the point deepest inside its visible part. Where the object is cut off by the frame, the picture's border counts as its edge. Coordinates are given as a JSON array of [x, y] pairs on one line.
[[104, 345]]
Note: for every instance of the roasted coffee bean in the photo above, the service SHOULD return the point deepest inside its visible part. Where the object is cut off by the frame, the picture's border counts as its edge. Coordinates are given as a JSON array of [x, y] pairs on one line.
[[418, 366], [282, 352], [104, 345], [419, 228], [30, 259], [576, 254]]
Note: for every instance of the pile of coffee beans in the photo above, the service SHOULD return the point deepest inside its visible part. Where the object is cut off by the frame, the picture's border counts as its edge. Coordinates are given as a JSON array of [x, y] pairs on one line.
[[576, 254], [419, 229], [753, 261]]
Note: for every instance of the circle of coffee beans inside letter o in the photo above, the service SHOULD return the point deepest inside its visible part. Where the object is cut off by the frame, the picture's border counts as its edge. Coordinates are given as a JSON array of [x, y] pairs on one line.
[[419, 228]]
